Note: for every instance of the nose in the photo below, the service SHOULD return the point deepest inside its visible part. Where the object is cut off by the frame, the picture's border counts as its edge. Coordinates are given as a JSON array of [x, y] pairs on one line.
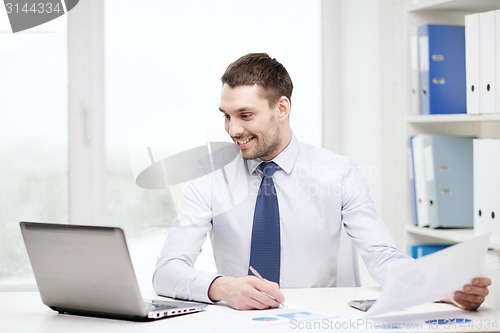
[[234, 127]]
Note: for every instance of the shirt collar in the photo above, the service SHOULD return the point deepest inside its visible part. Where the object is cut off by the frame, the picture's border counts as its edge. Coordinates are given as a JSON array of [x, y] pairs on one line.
[[285, 160]]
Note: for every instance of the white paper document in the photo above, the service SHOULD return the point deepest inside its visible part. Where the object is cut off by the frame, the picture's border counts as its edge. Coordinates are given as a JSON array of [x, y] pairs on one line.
[[279, 315], [432, 277]]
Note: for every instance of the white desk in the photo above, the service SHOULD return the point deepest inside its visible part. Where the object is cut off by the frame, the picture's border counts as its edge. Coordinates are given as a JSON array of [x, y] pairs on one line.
[[24, 312]]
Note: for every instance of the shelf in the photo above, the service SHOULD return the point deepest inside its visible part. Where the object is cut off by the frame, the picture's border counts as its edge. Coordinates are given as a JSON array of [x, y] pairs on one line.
[[452, 5], [453, 118], [450, 235], [478, 126]]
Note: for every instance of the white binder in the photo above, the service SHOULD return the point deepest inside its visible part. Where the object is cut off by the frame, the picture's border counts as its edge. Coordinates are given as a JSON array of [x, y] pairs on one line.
[[421, 198], [472, 62], [414, 72], [497, 60], [487, 72], [487, 187]]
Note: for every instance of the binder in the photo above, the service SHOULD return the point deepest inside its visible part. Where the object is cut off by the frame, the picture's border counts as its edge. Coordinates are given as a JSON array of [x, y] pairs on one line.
[[497, 61], [451, 184], [487, 74], [442, 69], [421, 201], [472, 62], [445, 163], [487, 187], [414, 99], [411, 178], [418, 251]]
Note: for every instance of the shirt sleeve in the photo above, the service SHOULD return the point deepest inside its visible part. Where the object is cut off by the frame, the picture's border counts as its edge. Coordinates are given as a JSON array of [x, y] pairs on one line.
[[175, 275], [369, 233]]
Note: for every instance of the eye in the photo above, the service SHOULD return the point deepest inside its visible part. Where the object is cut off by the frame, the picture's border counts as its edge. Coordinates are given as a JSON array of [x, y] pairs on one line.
[[225, 116], [246, 116]]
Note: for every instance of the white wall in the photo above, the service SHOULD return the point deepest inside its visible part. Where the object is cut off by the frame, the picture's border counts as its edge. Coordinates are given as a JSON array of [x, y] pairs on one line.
[[364, 96]]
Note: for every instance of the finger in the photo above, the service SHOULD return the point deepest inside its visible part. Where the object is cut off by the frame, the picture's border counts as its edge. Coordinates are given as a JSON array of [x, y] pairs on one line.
[[471, 306], [263, 300], [272, 289], [481, 281], [256, 293], [473, 290], [250, 298], [468, 301], [248, 304], [258, 303]]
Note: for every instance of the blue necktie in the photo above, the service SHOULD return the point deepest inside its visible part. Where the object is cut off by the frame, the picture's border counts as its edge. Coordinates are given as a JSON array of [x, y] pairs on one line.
[[265, 248]]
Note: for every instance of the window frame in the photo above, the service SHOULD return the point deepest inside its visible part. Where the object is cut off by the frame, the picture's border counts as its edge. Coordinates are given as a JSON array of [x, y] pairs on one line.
[[86, 114]]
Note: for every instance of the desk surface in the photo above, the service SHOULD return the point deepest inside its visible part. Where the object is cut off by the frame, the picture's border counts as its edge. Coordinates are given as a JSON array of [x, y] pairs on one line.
[[24, 312]]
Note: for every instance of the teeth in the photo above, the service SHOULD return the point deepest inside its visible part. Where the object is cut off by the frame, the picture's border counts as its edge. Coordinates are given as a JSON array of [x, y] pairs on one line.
[[242, 142]]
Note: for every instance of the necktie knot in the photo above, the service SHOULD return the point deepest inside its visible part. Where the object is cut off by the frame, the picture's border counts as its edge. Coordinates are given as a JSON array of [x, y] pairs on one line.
[[268, 168]]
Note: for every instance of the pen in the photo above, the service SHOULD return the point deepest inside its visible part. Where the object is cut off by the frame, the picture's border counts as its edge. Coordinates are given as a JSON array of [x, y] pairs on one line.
[[254, 272]]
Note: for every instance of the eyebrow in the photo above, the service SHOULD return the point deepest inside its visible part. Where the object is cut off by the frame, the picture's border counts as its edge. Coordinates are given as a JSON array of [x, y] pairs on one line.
[[239, 110]]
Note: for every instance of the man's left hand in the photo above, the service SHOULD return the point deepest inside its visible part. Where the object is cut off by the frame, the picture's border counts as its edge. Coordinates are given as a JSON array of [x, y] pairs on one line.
[[472, 295]]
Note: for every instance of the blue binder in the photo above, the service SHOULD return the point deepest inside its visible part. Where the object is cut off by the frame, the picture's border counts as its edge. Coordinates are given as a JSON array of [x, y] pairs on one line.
[[442, 69], [449, 161], [418, 251]]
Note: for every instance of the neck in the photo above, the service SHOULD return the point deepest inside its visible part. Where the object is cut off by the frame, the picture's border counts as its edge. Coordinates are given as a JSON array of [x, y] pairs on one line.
[[286, 138]]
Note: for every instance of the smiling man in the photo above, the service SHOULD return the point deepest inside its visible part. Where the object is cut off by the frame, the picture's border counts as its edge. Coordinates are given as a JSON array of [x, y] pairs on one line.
[[293, 200]]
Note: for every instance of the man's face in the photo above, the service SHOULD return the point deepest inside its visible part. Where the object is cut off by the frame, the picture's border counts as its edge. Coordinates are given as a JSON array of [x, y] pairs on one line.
[[253, 125]]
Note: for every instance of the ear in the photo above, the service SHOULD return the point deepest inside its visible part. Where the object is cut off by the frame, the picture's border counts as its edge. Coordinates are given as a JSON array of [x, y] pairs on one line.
[[283, 106]]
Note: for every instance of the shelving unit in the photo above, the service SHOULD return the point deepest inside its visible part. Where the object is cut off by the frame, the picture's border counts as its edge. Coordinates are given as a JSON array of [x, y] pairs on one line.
[[452, 5], [485, 125], [481, 126]]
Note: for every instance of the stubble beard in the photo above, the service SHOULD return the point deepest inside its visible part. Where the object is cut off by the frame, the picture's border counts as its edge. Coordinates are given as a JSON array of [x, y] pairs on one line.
[[267, 150]]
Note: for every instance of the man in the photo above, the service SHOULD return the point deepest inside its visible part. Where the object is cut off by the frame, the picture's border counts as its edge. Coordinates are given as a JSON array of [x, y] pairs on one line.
[[309, 194]]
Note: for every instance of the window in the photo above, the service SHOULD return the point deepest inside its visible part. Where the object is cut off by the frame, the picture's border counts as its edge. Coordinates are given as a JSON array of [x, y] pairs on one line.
[[34, 136], [164, 60]]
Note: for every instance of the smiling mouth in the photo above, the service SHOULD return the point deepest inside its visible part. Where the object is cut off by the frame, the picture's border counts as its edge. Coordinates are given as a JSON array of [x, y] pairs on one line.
[[242, 143]]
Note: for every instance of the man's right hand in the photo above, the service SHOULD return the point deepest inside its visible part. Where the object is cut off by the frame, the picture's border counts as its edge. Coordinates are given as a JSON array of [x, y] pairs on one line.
[[246, 293]]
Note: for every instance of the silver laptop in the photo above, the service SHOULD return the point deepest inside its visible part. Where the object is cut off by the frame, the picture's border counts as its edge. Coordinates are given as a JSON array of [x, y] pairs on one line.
[[87, 270]]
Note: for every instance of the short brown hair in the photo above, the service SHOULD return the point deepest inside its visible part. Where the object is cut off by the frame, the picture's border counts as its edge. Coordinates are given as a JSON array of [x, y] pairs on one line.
[[260, 69]]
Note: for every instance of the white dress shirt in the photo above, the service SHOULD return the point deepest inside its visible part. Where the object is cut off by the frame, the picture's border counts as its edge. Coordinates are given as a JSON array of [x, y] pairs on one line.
[[317, 191]]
